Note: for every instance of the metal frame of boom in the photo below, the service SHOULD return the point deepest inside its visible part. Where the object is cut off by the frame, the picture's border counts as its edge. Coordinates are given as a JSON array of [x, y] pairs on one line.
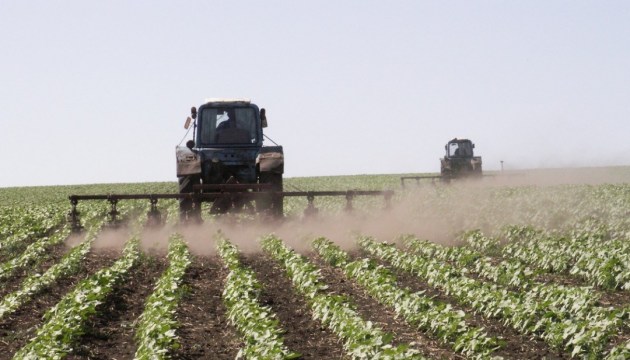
[[418, 178], [218, 192], [433, 178]]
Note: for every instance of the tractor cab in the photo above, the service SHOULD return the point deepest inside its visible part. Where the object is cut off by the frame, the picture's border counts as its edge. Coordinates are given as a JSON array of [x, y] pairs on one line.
[[229, 124], [461, 148], [459, 160]]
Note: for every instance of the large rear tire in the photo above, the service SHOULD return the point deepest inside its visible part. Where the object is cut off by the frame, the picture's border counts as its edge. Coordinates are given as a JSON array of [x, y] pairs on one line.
[[273, 204], [188, 209], [221, 205]]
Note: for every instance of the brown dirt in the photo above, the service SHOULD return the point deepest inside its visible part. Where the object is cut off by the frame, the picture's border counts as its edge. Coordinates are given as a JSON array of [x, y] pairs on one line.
[[302, 334], [15, 282], [205, 332]]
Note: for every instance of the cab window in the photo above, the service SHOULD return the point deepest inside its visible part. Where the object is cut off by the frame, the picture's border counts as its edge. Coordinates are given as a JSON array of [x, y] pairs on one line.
[[228, 126]]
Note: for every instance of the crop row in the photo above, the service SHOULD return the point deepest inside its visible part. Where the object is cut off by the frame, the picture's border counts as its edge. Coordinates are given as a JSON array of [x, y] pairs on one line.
[[439, 319], [35, 283], [362, 340], [584, 337], [257, 323], [156, 327], [38, 250], [20, 226], [588, 253], [65, 321], [564, 301]]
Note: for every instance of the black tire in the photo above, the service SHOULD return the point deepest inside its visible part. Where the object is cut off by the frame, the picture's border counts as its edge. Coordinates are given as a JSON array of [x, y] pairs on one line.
[[221, 205], [446, 176], [187, 207], [271, 204], [277, 201]]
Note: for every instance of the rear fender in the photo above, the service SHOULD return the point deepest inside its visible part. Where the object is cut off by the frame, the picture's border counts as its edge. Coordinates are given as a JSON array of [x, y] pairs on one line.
[[475, 163], [445, 164], [188, 162], [271, 159]]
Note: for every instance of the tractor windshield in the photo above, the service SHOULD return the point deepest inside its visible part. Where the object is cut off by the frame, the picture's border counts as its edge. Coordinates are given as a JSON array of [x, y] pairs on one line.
[[228, 125], [460, 149]]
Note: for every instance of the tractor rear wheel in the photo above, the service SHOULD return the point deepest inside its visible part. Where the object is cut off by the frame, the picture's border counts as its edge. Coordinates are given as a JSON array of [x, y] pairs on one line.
[[273, 204], [221, 205], [188, 209]]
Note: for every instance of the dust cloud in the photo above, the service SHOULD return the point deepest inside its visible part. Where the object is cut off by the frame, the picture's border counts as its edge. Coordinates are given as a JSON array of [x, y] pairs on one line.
[[561, 176], [111, 239], [436, 212]]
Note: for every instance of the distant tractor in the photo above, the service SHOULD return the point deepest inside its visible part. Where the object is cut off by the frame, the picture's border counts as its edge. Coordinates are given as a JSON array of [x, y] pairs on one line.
[[459, 160]]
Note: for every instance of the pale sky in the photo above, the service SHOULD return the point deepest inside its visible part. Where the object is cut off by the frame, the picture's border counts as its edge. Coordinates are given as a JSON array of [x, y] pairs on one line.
[[98, 91]]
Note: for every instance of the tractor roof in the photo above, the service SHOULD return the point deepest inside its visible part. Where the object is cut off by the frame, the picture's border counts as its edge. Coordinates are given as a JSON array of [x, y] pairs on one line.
[[227, 100], [456, 140]]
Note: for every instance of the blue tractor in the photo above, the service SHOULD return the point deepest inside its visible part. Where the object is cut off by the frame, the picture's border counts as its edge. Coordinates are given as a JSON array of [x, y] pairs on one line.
[[227, 165], [459, 160], [228, 161]]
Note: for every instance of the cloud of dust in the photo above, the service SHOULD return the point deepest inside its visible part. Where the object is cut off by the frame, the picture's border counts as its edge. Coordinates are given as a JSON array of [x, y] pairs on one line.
[[342, 228], [74, 239], [434, 212], [561, 176], [111, 239]]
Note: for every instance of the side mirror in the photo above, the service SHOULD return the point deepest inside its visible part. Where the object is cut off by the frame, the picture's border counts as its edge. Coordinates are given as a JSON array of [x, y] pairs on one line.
[[187, 123], [193, 112], [473, 146], [263, 118]]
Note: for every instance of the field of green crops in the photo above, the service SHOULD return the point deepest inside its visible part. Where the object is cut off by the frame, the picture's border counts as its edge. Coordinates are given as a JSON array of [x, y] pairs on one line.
[[513, 269]]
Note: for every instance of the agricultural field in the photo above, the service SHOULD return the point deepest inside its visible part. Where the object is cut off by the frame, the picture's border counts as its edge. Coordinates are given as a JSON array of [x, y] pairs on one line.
[[515, 268]]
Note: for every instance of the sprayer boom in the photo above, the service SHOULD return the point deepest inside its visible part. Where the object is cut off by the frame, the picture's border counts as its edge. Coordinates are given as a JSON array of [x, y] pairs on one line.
[[244, 192]]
